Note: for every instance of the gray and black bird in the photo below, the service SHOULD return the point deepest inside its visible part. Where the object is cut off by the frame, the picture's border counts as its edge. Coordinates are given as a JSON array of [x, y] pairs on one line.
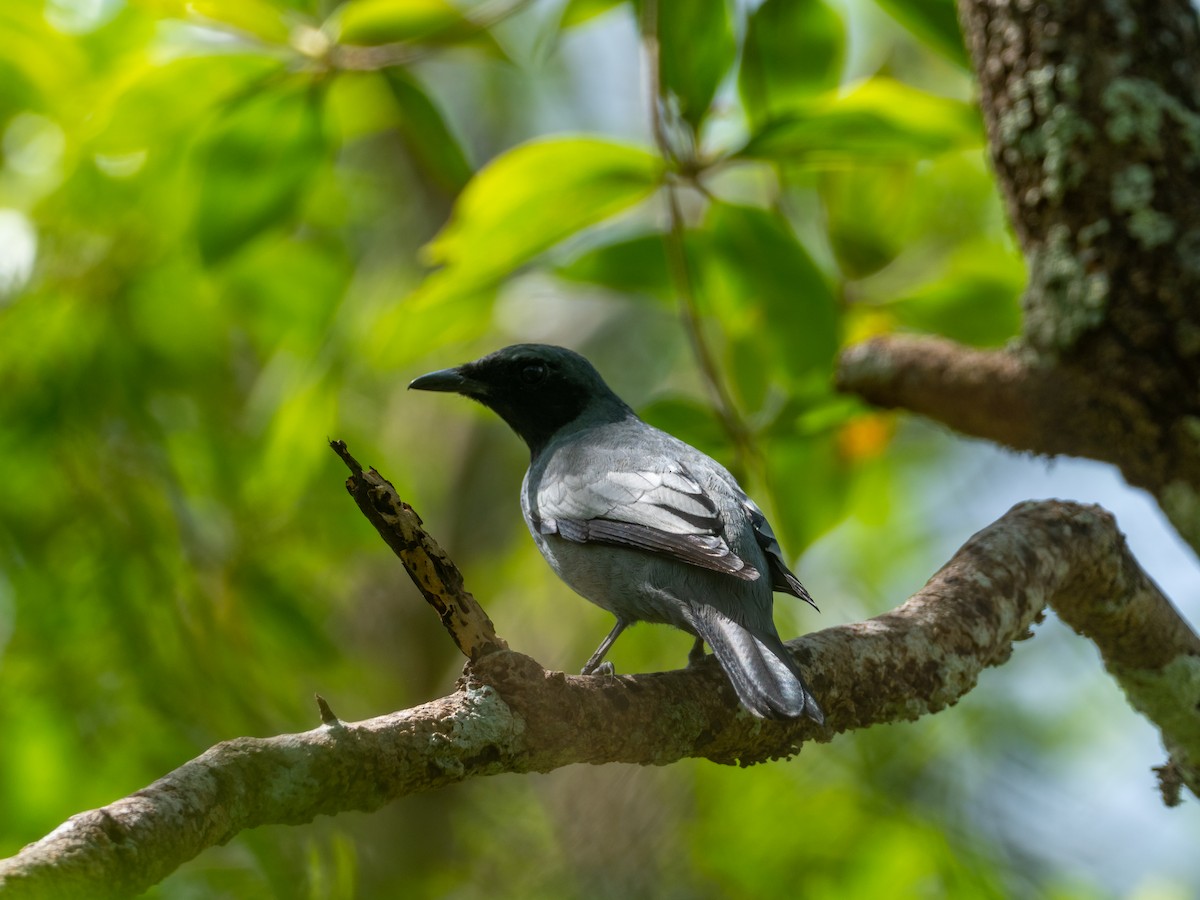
[[640, 523]]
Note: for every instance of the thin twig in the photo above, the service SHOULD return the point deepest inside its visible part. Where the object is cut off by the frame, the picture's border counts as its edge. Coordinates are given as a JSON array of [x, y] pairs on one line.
[[677, 257]]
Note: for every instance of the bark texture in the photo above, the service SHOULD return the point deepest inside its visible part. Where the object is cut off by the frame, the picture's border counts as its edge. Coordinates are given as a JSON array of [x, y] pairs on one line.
[[430, 568], [508, 714], [1093, 121]]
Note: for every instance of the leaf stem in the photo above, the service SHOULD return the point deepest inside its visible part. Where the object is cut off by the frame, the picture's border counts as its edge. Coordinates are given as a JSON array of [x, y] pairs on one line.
[[677, 257]]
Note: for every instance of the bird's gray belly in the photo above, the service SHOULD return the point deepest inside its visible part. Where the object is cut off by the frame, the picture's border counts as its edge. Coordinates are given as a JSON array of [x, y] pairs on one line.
[[641, 587]]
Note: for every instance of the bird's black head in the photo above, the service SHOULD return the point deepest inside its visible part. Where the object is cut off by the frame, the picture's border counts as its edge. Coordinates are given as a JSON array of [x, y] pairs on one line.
[[536, 388]]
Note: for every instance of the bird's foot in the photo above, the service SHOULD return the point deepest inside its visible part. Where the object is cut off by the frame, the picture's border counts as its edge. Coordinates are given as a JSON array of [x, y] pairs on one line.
[[604, 668], [696, 655]]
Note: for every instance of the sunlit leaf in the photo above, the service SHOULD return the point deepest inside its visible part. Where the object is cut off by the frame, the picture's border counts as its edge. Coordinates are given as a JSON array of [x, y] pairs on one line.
[[954, 198], [690, 421], [17, 91], [881, 120], [256, 166], [793, 50], [637, 265], [935, 23], [360, 106], [151, 103], [816, 413], [285, 290], [308, 407], [867, 209], [977, 301], [577, 12], [771, 292], [412, 330], [696, 48], [34, 59], [395, 21], [257, 17], [426, 134], [744, 357], [530, 198], [815, 462], [189, 329]]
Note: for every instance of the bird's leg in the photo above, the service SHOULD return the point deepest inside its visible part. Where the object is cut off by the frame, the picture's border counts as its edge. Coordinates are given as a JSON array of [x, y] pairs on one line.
[[696, 654], [594, 662]]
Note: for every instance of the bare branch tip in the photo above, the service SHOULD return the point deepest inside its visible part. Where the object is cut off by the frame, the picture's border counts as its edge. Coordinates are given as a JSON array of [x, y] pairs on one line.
[[339, 447], [327, 715], [1170, 783]]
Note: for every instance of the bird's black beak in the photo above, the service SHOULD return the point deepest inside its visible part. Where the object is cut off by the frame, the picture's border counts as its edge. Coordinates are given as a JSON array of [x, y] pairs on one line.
[[450, 381]]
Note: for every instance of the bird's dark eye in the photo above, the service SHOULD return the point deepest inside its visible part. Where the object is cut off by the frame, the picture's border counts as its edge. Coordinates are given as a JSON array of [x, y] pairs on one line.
[[533, 373]]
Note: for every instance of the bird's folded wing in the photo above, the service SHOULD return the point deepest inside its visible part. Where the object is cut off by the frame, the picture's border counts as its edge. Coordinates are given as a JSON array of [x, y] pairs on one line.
[[665, 512], [782, 578]]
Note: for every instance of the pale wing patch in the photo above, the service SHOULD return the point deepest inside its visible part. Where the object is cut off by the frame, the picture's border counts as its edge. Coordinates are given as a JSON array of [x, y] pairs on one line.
[[660, 512]]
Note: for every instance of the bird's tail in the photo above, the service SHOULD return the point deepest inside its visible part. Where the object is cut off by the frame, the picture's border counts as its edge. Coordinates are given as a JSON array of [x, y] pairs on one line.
[[763, 673]]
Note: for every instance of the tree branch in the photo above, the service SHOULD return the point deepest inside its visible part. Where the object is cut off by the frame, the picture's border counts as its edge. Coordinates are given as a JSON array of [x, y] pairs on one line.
[[1093, 120], [1008, 397], [431, 570], [508, 714]]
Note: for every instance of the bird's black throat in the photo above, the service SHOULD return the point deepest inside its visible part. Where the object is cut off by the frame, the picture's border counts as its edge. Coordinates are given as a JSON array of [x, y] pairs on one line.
[[537, 389], [538, 415], [538, 425]]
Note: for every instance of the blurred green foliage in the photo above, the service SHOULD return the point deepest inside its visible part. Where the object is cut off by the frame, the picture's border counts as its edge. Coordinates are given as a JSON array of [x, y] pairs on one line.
[[230, 229]]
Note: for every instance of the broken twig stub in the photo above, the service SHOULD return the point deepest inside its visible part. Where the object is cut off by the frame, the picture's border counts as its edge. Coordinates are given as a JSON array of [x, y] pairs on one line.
[[432, 571]]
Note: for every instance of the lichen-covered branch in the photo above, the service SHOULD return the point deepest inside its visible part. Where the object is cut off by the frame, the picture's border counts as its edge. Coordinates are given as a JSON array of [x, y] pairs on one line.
[[509, 715], [1151, 651], [1093, 121]]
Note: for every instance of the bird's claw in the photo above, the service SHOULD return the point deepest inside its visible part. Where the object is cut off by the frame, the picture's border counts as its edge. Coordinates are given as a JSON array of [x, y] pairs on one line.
[[604, 668]]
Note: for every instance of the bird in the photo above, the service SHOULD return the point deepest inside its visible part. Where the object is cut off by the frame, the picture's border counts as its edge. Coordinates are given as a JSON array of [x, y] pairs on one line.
[[641, 523]]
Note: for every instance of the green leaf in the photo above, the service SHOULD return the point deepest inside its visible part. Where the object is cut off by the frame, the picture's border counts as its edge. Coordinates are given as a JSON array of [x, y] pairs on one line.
[[527, 200], [769, 292], [156, 102], [395, 21], [935, 23], [814, 414], [977, 301], [696, 48], [285, 291], [867, 211], [426, 134], [637, 265], [309, 406], [16, 90], [579, 11], [881, 121], [415, 330], [793, 50], [813, 463], [690, 421], [257, 17], [257, 165], [37, 62]]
